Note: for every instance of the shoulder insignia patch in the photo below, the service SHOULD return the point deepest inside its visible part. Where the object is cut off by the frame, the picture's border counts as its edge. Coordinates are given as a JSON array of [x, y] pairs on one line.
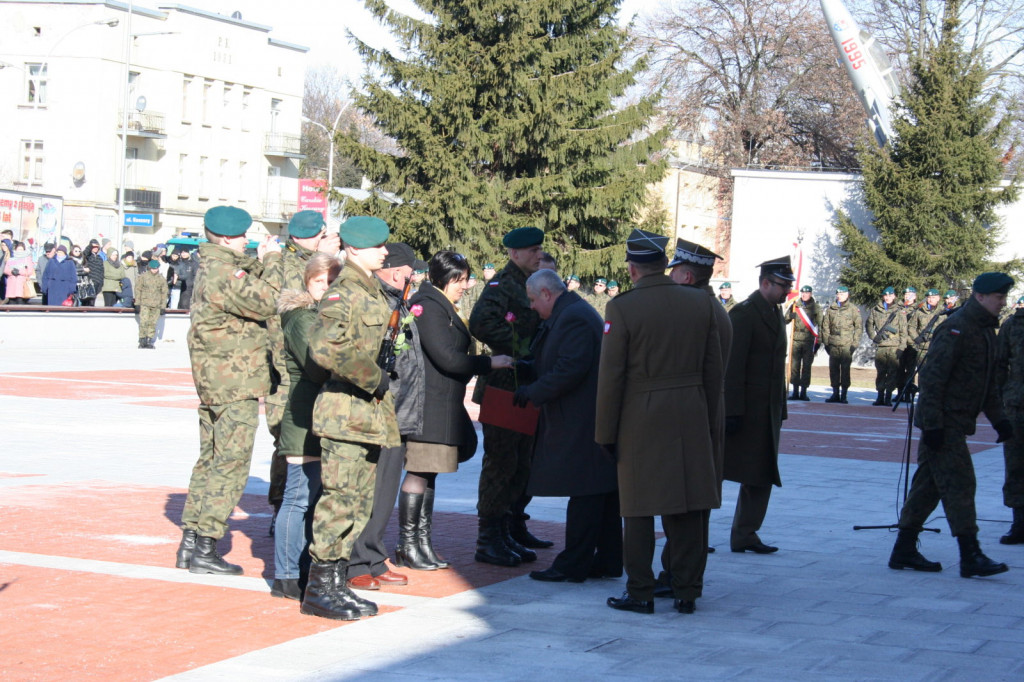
[[493, 282], [607, 327], [334, 297], [954, 332], [239, 274]]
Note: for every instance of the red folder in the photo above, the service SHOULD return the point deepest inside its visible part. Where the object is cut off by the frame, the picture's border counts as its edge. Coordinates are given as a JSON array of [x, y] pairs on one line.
[[497, 410]]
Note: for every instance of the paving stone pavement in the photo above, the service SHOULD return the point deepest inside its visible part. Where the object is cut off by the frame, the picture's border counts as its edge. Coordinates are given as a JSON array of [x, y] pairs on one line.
[[825, 607]]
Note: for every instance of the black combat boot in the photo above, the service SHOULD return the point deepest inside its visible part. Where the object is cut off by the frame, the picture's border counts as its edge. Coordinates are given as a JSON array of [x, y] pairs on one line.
[[490, 549], [423, 537], [185, 548], [835, 395], [521, 534], [796, 393], [319, 599], [880, 400], [1016, 534], [888, 398], [842, 396], [151, 342], [525, 554], [803, 393], [142, 342], [205, 559], [344, 595], [973, 562], [905, 554], [286, 588], [409, 553]]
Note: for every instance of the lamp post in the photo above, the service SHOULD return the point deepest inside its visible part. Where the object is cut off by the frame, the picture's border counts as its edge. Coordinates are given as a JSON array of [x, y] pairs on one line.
[[46, 60], [331, 133]]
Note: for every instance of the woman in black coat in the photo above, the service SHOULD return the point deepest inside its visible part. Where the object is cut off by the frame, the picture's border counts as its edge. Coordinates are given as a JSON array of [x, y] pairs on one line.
[[447, 429], [93, 263]]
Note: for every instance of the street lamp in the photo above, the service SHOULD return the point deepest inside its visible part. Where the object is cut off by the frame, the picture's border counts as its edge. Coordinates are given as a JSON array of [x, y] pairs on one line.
[[331, 133], [46, 60]]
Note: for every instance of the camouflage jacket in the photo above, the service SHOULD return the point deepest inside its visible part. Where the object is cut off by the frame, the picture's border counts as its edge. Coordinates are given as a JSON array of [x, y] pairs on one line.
[[1010, 370], [151, 290], [894, 321], [912, 315], [285, 271], [800, 330], [504, 294], [345, 340], [840, 326], [728, 305], [958, 378], [228, 337], [925, 323]]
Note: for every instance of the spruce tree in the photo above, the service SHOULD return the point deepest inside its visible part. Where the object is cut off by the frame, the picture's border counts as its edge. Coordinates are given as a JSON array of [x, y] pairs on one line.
[[505, 114], [934, 192]]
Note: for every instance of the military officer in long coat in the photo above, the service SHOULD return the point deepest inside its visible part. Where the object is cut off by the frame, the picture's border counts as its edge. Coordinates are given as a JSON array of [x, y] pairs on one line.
[[660, 359], [755, 401]]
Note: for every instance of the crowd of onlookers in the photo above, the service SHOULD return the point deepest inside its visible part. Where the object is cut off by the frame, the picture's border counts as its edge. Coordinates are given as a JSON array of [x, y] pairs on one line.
[[69, 275]]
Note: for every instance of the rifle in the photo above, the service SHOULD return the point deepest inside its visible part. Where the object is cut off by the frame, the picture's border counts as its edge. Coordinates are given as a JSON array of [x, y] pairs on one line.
[[386, 355], [886, 329]]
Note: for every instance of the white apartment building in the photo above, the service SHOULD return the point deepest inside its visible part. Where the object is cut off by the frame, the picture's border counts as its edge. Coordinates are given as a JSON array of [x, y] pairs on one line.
[[214, 107]]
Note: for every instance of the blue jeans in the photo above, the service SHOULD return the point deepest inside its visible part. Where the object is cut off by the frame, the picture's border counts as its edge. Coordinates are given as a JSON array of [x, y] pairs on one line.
[[294, 527]]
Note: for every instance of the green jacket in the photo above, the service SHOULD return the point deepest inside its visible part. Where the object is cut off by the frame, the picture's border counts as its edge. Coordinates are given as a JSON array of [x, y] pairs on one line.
[[1010, 370], [925, 323], [840, 326], [112, 276], [227, 340], [504, 294], [151, 290], [286, 272], [305, 377], [728, 305], [894, 322], [800, 330], [959, 380], [345, 340]]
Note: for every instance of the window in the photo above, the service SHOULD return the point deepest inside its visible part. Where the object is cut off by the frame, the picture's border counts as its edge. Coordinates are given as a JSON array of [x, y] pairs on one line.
[[243, 180], [222, 181], [228, 104], [32, 162], [204, 190], [186, 88], [131, 165], [207, 93], [182, 175], [35, 84], [246, 101], [275, 112]]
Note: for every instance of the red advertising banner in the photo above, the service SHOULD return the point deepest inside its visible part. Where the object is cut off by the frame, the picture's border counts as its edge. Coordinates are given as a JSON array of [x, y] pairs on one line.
[[313, 196]]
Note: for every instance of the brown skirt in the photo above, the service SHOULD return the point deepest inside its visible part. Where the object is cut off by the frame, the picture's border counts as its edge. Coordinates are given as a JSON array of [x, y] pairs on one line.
[[431, 457]]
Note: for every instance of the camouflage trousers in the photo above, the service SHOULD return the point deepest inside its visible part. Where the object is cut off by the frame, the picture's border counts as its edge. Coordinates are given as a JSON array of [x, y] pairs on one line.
[[887, 368], [348, 473], [800, 363], [1013, 455], [839, 360], [273, 406], [148, 317], [227, 434], [946, 475], [504, 471]]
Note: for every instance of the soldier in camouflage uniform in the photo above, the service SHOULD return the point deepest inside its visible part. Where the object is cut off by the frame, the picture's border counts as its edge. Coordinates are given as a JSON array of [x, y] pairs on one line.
[[887, 328], [598, 296], [227, 344], [840, 334], [354, 415], [910, 309], [470, 298], [1011, 378], [957, 383], [928, 317], [506, 465], [725, 296], [805, 341], [151, 300], [285, 272]]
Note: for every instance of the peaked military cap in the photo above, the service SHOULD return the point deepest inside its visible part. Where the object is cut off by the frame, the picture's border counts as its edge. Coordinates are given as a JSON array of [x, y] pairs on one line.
[[399, 254], [645, 247], [612, 284], [306, 224], [806, 288], [688, 252], [523, 238], [364, 232], [992, 283], [932, 292], [227, 221], [778, 267], [725, 285], [888, 290], [952, 294], [842, 290]]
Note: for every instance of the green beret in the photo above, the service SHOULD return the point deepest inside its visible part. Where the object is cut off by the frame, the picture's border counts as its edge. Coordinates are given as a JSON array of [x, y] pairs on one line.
[[227, 221], [842, 290], [600, 280], [725, 285], [472, 276], [806, 288], [1020, 300], [154, 264], [932, 292], [612, 284], [888, 290], [523, 237], [574, 278], [364, 232], [488, 266], [306, 224], [992, 283], [951, 294], [910, 290]]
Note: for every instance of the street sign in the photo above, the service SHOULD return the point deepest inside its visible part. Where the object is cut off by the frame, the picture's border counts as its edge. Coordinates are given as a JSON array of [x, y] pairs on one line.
[[138, 220]]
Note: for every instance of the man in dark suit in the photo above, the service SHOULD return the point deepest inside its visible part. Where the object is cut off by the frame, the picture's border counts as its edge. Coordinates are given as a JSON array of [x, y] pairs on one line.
[[657, 397], [755, 401], [566, 460]]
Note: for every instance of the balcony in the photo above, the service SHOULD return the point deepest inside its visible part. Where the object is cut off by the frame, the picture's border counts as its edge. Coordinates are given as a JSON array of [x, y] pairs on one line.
[[148, 124], [276, 211], [138, 199], [280, 144]]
